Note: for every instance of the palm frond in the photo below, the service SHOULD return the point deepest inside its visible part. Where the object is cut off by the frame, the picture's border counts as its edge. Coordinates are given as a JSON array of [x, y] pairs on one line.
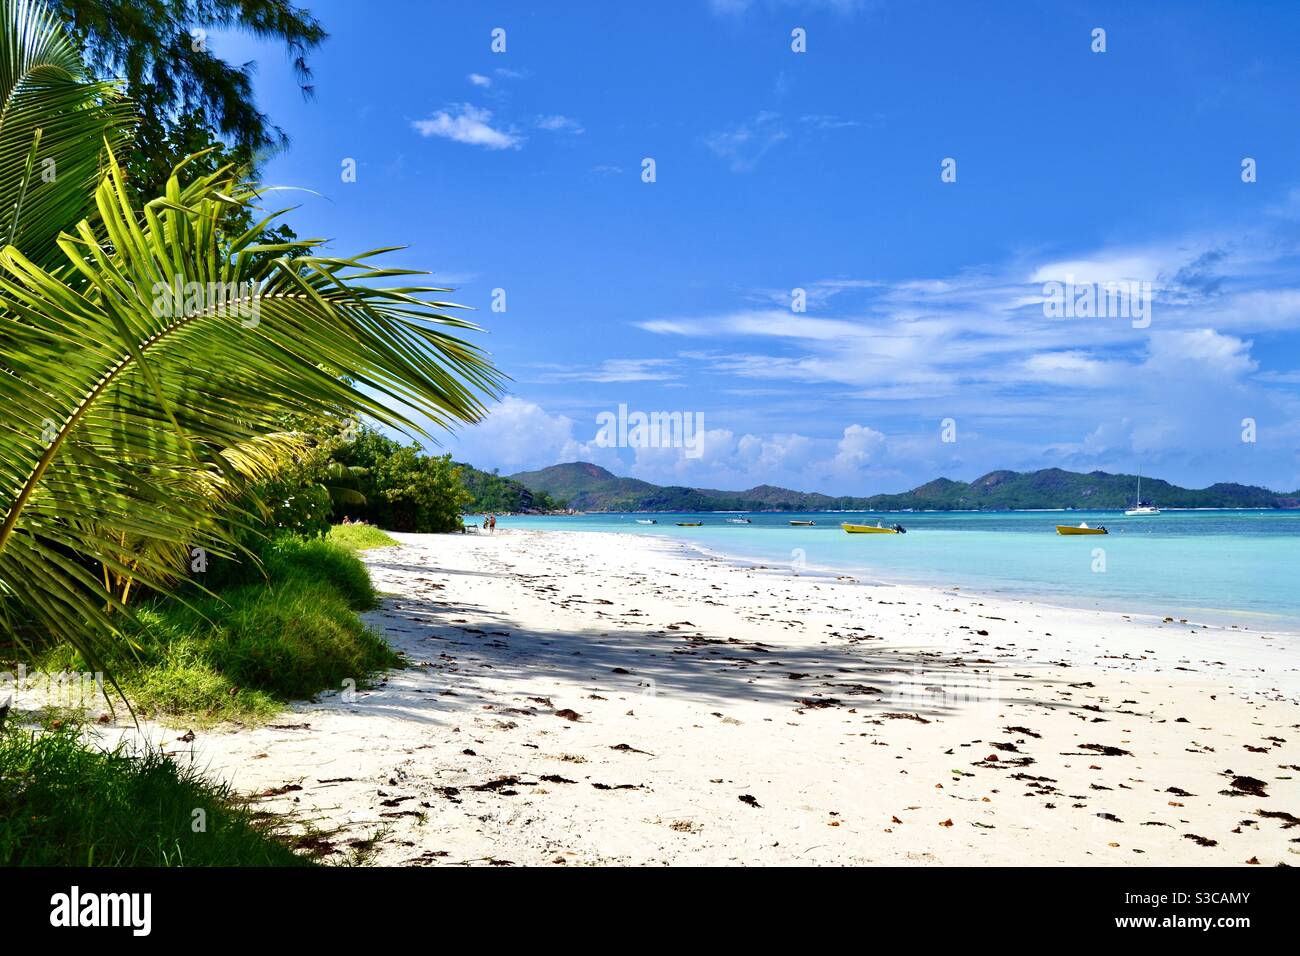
[[54, 123], [163, 351]]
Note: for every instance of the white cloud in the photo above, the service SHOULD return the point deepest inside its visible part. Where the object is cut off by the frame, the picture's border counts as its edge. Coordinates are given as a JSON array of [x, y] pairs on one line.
[[728, 461], [860, 446], [823, 121], [615, 370], [1116, 268], [478, 79], [1215, 353], [743, 145], [1072, 368], [519, 435], [464, 123], [774, 454], [978, 347], [559, 124], [769, 323], [1027, 390]]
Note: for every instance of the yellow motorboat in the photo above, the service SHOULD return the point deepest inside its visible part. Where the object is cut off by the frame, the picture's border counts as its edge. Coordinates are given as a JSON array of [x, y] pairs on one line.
[[870, 529], [1081, 528]]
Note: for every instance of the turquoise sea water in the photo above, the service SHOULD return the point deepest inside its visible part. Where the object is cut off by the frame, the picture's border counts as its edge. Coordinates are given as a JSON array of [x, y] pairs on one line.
[[1238, 567]]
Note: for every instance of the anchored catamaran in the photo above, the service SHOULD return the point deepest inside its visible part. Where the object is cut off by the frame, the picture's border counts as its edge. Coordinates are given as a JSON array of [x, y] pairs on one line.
[[1141, 508]]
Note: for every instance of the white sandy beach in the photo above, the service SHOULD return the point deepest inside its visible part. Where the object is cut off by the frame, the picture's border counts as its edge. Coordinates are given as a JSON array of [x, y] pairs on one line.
[[582, 698]]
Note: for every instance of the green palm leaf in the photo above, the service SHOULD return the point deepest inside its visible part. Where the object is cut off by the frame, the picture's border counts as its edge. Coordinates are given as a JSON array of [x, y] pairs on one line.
[[161, 346], [54, 123]]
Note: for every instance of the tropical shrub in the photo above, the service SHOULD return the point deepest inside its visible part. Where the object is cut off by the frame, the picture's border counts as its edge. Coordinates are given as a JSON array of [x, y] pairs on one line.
[[404, 489]]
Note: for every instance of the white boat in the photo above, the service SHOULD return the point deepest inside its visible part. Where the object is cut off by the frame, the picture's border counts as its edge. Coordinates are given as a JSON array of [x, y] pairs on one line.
[[1141, 508], [739, 521], [646, 521]]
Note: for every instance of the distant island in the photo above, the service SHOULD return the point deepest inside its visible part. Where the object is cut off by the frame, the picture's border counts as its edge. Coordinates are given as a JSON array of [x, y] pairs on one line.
[[585, 486]]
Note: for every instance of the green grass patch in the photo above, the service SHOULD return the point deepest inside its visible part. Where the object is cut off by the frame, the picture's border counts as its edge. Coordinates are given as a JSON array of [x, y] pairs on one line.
[[242, 654], [331, 562], [66, 803], [360, 536]]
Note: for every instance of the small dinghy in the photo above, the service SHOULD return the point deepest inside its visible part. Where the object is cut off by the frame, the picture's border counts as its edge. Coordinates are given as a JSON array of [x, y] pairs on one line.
[[1081, 529], [877, 528]]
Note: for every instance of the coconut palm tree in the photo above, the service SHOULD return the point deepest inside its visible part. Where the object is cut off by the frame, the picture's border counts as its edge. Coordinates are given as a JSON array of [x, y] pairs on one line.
[[149, 357], [54, 122]]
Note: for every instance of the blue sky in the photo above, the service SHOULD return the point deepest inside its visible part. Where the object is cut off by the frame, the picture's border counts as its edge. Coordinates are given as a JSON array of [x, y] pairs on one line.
[[821, 170]]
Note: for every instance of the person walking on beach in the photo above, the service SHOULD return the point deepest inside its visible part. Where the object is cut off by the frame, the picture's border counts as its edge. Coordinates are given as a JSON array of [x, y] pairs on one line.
[[485, 522], [492, 523]]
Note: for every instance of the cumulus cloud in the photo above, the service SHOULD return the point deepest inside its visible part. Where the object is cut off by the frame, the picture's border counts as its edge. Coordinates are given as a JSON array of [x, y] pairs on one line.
[[860, 446], [463, 123], [728, 461], [519, 435], [1215, 353]]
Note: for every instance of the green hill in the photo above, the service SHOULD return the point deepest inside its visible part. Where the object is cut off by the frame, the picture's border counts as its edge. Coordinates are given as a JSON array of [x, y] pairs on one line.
[[589, 487], [1055, 488], [493, 492]]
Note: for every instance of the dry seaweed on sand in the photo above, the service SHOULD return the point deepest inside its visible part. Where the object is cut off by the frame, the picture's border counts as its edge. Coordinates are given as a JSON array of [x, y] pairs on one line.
[[1288, 820], [628, 748], [1103, 749], [1246, 787]]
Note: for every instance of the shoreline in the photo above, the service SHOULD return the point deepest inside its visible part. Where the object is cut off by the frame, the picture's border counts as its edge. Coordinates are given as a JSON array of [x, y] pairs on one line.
[[1225, 619], [1232, 620], [923, 590], [874, 511], [589, 698]]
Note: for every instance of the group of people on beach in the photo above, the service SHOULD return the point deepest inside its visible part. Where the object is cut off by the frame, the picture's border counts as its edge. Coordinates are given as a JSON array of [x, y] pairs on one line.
[[489, 522]]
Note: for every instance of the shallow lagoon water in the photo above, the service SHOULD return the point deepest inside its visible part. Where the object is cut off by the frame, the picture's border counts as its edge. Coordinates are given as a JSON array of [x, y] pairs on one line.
[[1226, 567]]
